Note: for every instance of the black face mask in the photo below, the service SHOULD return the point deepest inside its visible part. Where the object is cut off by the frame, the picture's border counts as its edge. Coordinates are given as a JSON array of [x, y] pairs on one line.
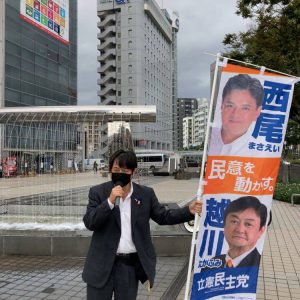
[[120, 178]]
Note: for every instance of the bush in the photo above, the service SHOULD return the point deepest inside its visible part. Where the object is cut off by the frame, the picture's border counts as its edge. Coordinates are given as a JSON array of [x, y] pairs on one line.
[[283, 192], [295, 161]]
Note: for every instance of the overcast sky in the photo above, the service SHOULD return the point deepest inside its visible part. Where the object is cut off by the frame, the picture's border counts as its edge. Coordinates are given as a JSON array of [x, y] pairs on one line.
[[203, 25]]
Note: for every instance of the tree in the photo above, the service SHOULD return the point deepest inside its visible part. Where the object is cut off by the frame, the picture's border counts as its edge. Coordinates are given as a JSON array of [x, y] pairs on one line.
[[273, 40], [292, 136]]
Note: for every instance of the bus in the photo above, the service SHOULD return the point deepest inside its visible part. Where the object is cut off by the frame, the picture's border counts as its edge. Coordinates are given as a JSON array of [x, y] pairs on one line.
[[151, 161]]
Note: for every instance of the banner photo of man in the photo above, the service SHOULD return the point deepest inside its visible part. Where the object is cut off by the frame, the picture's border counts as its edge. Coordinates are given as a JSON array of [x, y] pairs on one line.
[[251, 114], [244, 150]]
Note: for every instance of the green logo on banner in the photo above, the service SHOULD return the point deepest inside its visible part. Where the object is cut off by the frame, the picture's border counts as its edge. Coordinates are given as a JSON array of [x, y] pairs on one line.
[[44, 20], [29, 10], [45, 2]]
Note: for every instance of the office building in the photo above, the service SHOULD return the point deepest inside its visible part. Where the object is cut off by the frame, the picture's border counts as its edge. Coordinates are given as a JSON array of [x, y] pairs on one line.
[[194, 126], [38, 67], [137, 56], [92, 139], [185, 108], [200, 122], [187, 132], [39, 53]]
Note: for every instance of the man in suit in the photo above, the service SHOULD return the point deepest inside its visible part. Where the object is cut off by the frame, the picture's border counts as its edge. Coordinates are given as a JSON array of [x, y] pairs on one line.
[[244, 223], [121, 252]]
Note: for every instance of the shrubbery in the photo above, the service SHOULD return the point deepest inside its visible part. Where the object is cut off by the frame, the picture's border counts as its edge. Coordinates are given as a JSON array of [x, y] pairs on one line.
[[284, 191]]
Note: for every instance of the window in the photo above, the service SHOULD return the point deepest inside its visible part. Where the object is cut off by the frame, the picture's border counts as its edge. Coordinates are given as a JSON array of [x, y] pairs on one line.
[[13, 49], [12, 95], [28, 55]]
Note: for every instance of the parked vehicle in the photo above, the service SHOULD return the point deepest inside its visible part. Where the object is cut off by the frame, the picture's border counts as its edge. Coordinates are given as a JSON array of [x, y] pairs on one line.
[[151, 161], [89, 163], [192, 163]]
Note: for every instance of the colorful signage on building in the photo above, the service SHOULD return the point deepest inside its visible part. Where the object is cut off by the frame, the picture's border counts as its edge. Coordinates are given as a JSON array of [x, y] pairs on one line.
[[51, 16], [121, 1]]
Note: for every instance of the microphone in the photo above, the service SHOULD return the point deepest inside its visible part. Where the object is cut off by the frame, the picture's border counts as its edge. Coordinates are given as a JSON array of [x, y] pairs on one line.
[[117, 202]]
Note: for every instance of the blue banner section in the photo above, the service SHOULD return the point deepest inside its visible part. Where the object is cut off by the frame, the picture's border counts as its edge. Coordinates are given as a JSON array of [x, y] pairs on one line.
[[225, 281]]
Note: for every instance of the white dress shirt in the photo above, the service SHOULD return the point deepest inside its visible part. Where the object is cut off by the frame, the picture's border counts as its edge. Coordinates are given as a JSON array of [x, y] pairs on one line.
[[236, 261], [126, 244], [239, 147]]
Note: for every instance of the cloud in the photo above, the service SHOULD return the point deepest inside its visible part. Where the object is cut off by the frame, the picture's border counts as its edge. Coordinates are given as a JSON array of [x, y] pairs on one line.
[[87, 52], [203, 26]]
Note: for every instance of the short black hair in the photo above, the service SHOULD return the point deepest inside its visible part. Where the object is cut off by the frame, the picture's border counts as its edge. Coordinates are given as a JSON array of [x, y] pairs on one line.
[[245, 82], [124, 158], [244, 203]]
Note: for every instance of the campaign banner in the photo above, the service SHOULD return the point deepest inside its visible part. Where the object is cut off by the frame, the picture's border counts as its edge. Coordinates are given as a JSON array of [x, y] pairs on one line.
[[51, 16], [251, 112]]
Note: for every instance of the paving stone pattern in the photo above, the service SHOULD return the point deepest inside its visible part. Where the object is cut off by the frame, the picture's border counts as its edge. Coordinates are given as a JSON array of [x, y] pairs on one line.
[[34, 278]]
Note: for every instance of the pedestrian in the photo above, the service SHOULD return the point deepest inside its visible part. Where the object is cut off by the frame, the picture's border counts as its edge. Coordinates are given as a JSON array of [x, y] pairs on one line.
[[51, 167], [95, 167], [121, 252]]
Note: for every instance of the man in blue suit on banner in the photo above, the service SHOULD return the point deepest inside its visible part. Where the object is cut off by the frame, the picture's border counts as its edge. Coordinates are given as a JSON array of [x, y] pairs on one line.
[[244, 223]]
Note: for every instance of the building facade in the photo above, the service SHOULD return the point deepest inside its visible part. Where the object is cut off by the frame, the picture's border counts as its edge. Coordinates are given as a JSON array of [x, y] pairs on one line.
[[92, 139], [38, 67], [187, 132], [200, 122], [136, 55], [185, 108], [194, 126]]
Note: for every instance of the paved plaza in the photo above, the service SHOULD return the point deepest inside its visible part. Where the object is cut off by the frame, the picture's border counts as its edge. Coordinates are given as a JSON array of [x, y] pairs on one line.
[[44, 277]]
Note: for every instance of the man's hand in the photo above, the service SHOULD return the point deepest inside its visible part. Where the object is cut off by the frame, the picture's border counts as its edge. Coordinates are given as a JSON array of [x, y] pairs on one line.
[[196, 207], [117, 191]]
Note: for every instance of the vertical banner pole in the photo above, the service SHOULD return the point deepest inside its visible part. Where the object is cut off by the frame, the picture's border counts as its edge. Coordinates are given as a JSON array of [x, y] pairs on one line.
[[200, 189]]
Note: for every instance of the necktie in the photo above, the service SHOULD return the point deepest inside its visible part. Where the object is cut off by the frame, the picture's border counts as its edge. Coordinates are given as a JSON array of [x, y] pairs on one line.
[[229, 263]]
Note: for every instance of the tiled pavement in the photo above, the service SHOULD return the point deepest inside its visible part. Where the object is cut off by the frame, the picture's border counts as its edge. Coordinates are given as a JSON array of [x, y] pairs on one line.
[[60, 278], [29, 277], [280, 271]]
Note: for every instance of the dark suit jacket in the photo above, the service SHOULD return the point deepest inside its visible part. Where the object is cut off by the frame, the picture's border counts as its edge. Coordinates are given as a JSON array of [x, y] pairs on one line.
[[252, 259], [106, 225]]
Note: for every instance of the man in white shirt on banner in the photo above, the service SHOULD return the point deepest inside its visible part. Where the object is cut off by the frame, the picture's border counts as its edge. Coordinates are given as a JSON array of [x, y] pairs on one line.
[[241, 105]]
